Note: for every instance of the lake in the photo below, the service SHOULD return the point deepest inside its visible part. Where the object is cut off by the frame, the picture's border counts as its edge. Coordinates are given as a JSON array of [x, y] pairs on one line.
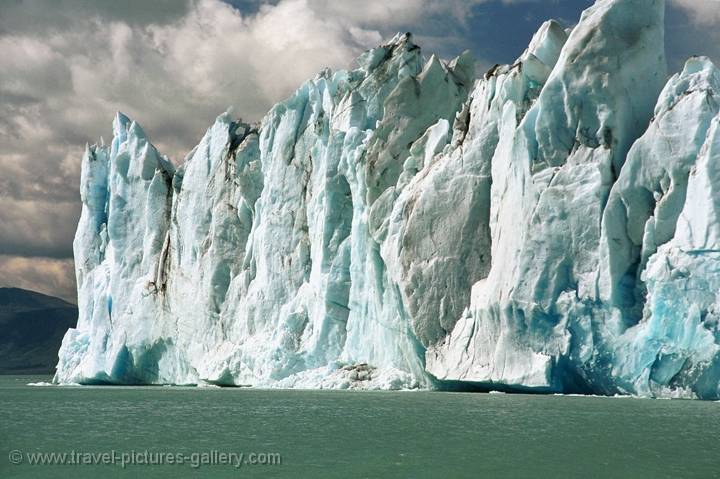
[[177, 432]]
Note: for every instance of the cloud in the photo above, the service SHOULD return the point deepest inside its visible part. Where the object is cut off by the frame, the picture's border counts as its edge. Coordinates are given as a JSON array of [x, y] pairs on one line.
[[62, 82], [692, 29], [218, 57], [48, 276], [703, 12], [173, 66], [384, 14], [37, 228]]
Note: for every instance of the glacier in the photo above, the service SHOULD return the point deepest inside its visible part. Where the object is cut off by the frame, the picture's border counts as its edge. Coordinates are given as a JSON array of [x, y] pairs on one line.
[[550, 226]]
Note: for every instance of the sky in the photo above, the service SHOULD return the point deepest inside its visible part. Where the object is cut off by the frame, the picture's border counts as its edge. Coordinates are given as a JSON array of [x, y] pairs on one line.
[[66, 66]]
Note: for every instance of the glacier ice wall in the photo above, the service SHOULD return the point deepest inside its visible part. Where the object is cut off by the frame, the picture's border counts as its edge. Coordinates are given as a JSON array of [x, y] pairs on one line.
[[550, 226]]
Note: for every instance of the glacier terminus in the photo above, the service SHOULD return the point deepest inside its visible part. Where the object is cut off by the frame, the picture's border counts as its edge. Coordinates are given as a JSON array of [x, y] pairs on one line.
[[551, 225]]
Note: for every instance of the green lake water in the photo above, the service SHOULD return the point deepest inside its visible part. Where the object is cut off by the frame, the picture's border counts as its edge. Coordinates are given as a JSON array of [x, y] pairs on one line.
[[341, 434]]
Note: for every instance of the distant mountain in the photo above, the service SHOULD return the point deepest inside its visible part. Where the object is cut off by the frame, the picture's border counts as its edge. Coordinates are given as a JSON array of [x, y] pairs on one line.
[[32, 326]]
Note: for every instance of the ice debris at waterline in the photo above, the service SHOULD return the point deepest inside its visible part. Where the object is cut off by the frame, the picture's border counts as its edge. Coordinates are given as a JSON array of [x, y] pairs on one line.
[[551, 226]]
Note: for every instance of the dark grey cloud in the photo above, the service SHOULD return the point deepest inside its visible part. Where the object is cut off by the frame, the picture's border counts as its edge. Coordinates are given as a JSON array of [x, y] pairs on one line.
[[46, 275], [38, 228], [59, 16]]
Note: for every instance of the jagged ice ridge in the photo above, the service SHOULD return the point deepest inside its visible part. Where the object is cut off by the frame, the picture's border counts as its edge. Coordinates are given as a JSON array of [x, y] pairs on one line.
[[552, 226]]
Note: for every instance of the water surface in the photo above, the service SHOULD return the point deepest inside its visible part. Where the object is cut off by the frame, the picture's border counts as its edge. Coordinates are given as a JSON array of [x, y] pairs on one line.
[[341, 434]]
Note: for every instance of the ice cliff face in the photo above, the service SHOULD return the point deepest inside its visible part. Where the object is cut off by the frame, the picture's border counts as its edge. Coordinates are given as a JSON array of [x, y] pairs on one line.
[[552, 226]]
